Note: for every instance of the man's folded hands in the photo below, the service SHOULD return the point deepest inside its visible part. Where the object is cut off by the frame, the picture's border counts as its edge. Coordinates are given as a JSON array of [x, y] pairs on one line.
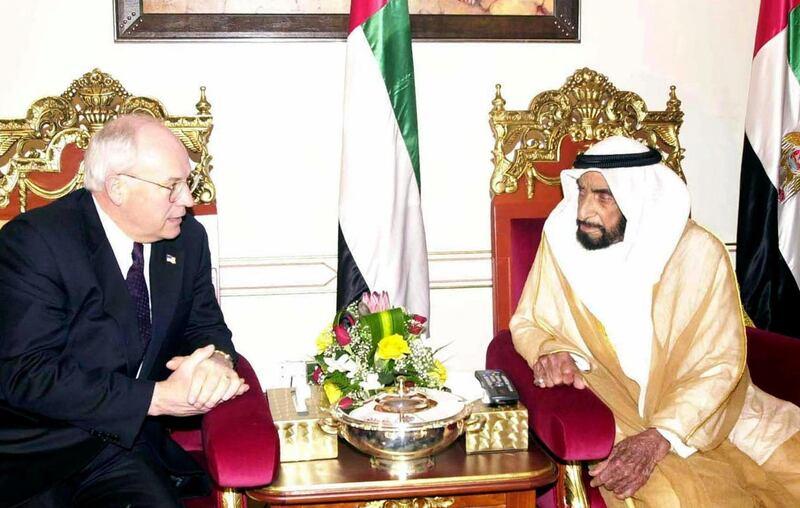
[[198, 383]]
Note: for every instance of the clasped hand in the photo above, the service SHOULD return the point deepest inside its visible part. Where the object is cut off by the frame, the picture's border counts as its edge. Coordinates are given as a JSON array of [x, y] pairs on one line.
[[198, 383]]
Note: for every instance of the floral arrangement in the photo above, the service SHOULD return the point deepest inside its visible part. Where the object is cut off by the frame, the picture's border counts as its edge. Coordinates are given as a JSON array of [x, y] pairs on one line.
[[368, 345]]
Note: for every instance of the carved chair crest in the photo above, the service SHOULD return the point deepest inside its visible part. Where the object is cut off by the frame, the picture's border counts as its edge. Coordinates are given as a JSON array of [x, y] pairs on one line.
[[586, 109], [41, 154]]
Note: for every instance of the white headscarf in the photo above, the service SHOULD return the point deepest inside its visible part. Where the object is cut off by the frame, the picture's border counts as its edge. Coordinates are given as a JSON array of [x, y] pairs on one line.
[[616, 283]]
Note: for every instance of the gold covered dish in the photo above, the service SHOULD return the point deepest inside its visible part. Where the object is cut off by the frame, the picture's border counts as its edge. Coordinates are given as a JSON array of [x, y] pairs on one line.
[[402, 430]]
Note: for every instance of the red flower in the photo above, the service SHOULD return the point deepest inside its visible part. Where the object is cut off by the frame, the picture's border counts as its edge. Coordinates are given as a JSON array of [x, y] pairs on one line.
[[415, 326], [345, 402], [316, 375], [342, 337]]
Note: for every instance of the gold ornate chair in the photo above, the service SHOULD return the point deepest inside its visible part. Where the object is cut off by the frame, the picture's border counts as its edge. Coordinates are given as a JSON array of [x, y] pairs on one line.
[[533, 146], [41, 154], [41, 160]]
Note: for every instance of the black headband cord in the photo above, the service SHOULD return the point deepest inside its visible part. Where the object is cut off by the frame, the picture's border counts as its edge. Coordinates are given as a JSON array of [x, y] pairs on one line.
[[622, 160]]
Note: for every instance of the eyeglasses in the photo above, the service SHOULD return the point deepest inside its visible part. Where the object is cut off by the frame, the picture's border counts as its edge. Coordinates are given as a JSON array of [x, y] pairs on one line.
[[175, 189]]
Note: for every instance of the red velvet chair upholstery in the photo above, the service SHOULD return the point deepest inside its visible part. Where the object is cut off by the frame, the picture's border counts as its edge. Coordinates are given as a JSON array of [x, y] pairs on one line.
[[773, 359], [531, 148], [41, 155], [237, 443]]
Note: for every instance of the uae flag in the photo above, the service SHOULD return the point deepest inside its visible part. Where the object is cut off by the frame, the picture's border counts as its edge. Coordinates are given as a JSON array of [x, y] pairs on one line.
[[381, 233], [768, 237]]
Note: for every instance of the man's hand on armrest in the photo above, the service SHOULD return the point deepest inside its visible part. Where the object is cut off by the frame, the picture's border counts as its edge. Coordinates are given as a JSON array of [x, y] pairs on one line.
[[198, 383], [557, 369]]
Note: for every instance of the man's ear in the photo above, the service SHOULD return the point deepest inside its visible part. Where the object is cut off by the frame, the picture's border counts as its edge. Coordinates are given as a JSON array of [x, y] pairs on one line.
[[115, 189]]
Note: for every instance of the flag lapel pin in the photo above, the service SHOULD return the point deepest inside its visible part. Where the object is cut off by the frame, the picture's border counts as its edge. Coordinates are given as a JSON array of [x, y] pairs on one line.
[[171, 259]]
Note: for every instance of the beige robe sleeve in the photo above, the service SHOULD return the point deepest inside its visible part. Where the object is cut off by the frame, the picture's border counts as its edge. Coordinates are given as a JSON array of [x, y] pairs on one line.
[[531, 338], [698, 387]]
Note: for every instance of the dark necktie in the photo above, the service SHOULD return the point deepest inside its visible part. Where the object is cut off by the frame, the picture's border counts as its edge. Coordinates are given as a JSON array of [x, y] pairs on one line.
[[137, 287]]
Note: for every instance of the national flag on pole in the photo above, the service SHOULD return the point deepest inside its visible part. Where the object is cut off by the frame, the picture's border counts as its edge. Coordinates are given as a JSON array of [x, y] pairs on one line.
[[768, 237], [381, 233]]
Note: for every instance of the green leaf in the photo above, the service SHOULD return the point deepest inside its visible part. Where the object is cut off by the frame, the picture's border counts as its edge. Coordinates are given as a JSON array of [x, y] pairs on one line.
[[310, 368], [386, 378], [338, 317], [339, 378]]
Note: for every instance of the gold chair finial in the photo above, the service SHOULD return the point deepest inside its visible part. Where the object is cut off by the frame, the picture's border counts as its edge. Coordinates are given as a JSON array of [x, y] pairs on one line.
[[203, 106], [498, 102], [673, 103]]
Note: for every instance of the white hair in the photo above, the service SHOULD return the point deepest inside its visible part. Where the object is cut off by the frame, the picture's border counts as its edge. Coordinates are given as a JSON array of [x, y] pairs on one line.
[[113, 149]]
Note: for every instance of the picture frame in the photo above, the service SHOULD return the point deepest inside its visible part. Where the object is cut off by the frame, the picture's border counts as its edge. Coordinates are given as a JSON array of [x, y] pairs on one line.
[[132, 22]]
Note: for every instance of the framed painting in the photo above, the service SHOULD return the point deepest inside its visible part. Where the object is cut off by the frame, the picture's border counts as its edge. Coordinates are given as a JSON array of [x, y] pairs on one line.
[[444, 20]]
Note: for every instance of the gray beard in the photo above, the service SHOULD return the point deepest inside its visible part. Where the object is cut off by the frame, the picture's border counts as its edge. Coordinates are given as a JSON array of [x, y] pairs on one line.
[[607, 237]]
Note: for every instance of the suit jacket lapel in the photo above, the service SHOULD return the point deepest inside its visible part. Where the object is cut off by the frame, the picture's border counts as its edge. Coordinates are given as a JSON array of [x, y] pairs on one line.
[[116, 299], [166, 275]]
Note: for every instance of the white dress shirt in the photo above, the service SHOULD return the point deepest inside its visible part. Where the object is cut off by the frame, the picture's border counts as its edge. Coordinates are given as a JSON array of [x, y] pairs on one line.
[[122, 246]]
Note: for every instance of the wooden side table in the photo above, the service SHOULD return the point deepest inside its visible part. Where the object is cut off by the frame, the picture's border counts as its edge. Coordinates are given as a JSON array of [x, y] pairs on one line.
[[504, 479]]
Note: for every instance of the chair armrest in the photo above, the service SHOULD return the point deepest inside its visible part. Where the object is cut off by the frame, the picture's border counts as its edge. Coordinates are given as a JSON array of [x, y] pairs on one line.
[[574, 424], [773, 359], [239, 439]]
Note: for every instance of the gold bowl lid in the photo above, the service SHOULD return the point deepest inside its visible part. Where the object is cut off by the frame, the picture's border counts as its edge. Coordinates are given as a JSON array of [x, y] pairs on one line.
[[404, 409]]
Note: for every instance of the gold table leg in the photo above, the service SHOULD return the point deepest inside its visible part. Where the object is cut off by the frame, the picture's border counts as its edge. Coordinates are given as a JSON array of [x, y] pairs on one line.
[[570, 491], [230, 498]]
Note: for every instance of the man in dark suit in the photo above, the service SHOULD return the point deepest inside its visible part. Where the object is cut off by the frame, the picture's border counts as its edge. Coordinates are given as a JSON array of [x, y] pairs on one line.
[[108, 324]]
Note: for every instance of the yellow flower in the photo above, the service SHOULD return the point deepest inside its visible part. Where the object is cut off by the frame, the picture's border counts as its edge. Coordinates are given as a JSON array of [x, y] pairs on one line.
[[324, 340], [392, 347], [439, 372], [332, 392]]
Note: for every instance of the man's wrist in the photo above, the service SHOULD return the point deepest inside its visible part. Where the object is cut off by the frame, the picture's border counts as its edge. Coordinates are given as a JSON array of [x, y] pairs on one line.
[[224, 355], [663, 442], [655, 433], [676, 443], [155, 403]]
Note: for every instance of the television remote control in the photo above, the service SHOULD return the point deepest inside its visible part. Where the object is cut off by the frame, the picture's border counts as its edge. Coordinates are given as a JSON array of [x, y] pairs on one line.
[[497, 386]]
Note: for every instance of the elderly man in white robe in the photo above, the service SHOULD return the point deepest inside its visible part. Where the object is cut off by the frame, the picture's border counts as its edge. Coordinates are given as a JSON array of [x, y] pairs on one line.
[[640, 304]]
